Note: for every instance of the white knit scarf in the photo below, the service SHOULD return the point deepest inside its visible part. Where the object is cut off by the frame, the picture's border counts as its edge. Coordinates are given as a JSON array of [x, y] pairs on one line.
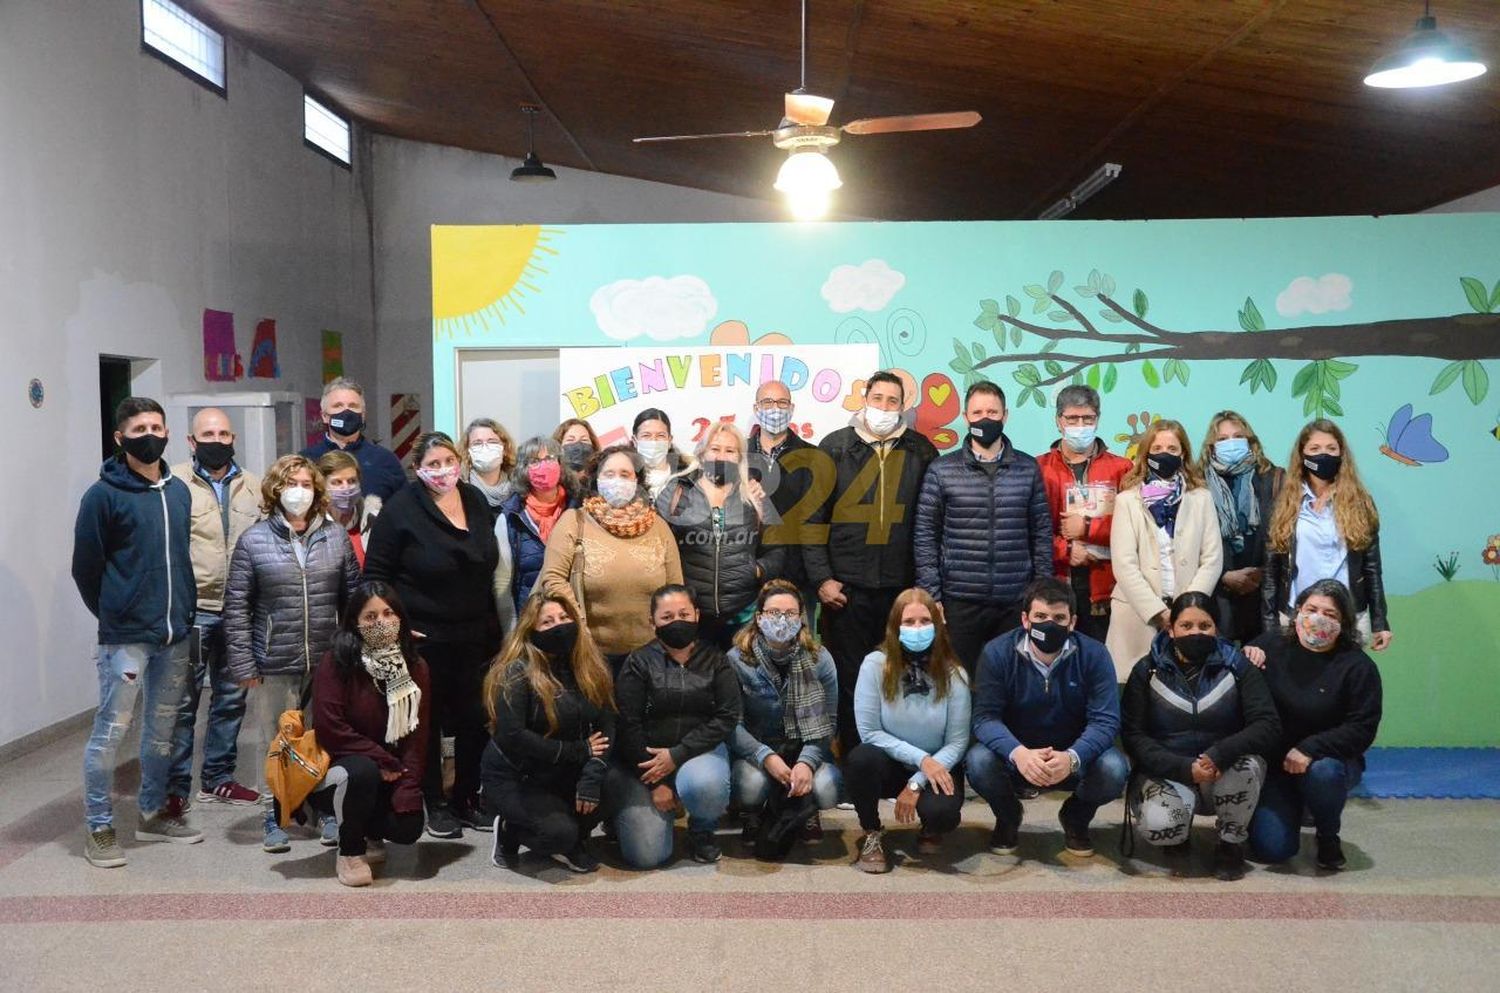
[[387, 666]]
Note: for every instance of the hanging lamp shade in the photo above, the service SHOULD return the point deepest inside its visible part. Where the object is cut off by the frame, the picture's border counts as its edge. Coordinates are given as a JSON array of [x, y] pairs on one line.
[[1426, 57]]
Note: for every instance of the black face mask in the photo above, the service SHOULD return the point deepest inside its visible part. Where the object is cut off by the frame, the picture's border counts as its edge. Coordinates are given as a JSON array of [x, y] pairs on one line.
[[986, 431], [1325, 467], [213, 455], [1164, 465], [576, 455], [1196, 648], [346, 423], [145, 448], [558, 640], [720, 470], [678, 634], [1048, 636]]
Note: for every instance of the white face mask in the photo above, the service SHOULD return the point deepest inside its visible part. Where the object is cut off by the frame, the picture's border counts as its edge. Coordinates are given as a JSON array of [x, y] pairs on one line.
[[615, 491], [487, 456], [295, 500], [653, 450], [881, 422]]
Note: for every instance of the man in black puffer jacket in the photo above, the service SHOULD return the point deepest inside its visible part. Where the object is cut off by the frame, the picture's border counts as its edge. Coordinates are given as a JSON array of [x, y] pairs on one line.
[[983, 528]]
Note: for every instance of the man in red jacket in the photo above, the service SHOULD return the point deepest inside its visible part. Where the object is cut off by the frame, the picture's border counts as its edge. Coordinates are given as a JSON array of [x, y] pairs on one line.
[[1082, 477]]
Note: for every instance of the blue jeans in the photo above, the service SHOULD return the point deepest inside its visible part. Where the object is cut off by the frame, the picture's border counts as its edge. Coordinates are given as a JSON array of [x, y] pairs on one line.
[[226, 711], [995, 779], [645, 833], [752, 787], [1276, 828], [123, 669]]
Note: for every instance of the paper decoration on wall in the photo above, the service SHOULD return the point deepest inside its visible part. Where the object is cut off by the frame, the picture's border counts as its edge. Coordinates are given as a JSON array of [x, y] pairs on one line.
[[333, 355], [312, 415], [221, 363], [264, 363], [406, 423]]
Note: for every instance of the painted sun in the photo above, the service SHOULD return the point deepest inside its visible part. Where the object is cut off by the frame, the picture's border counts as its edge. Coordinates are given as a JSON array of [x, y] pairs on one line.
[[481, 274]]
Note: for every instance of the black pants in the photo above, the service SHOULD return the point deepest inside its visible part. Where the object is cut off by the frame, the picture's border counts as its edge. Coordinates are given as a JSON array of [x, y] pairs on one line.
[[718, 629], [870, 775], [456, 671], [1095, 625], [850, 633], [542, 814], [360, 800], [972, 624]]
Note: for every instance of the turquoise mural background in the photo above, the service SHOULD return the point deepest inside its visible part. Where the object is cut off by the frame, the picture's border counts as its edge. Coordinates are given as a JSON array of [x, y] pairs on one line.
[[1411, 306]]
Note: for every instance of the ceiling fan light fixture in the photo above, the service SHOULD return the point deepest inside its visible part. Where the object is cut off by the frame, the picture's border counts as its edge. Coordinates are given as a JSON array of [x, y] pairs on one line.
[[531, 169], [807, 171], [1426, 57]]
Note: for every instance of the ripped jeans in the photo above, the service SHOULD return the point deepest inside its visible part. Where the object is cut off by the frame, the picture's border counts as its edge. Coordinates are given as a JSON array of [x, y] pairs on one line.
[[123, 670]]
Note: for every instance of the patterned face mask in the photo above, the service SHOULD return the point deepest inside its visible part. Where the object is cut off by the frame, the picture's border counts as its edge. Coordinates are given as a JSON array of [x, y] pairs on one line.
[[779, 629], [380, 633], [1316, 630], [440, 481]]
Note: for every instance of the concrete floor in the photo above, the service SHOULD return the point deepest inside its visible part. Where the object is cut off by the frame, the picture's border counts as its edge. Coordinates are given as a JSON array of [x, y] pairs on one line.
[[1417, 909]]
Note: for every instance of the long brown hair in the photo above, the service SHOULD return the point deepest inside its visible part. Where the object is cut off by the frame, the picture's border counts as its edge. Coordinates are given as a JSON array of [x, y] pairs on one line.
[[1353, 509], [589, 670], [1138, 472], [1257, 453], [944, 666], [744, 638]]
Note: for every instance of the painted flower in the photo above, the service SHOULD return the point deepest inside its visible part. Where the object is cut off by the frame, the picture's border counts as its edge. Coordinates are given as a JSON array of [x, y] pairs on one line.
[[1491, 553]]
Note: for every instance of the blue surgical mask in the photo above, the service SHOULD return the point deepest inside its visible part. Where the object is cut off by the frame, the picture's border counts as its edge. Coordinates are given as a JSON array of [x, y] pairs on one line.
[[919, 638], [1232, 451], [1080, 438]]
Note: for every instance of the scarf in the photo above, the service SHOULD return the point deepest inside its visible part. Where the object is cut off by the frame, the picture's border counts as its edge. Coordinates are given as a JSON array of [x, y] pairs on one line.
[[1233, 489], [1162, 500], [914, 680], [805, 715], [630, 521], [387, 666], [493, 495], [545, 515]]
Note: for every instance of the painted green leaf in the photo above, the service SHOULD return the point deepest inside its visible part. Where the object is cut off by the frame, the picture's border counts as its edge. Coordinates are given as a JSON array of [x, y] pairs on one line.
[[989, 306], [960, 349], [1479, 299], [1076, 380], [1093, 377], [986, 322], [1268, 374], [1053, 367], [1050, 345], [978, 351], [959, 367], [1169, 370], [999, 332], [1140, 304], [1341, 370], [1038, 399], [1251, 375], [1304, 380], [1036, 291], [1055, 281], [1183, 371], [1250, 318], [1059, 316], [1095, 280], [1111, 376], [1015, 336], [1476, 381], [1012, 306], [1446, 378], [1027, 375], [1111, 316], [1331, 406], [1107, 285], [1148, 372], [1495, 297], [1085, 291], [1132, 348]]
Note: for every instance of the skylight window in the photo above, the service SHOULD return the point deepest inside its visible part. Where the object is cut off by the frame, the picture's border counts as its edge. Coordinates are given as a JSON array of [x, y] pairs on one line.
[[183, 41], [325, 130]]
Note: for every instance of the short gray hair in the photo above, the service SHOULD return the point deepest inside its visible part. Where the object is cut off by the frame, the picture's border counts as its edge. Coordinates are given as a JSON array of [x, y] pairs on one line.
[[1077, 396], [534, 450], [340, 383]]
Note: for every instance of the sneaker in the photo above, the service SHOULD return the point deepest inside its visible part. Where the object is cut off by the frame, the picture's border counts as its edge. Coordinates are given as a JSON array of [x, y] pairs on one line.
[[102, 849], [374, 851], [1229, 861], [328, 831], [441, 823], [929, 844], [273, 838], [1331, 854], [177, 807], [160, 827], [844, 805], [1027, 792], [506, 851], [230, 792], [469, 816], [578, 860], [749, 828], [812, 831], [353, 870], [1076, 838], [702, 846], [1005, 839], [872, 857]]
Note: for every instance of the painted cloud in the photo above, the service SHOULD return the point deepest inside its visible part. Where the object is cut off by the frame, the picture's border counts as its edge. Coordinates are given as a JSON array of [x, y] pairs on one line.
[[868, 286], [658, 307], [1306, 295]]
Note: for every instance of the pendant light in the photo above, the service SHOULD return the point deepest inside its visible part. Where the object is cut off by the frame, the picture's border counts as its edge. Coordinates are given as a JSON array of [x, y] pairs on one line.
[[531, 169], [1426, 57]]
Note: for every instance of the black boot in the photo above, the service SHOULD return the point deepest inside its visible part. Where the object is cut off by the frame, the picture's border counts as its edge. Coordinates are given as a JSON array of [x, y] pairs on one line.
[[1229, 861], [1330, 853]]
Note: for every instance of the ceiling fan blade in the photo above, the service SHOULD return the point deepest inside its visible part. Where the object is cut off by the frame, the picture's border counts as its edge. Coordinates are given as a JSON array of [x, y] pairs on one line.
[[807, 109], [695, 137], [913, 122]]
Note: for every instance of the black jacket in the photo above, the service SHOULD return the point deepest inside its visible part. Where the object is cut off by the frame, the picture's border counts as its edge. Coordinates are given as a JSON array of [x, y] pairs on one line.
[[530, 751], [1167, 720], [687, 709], [445, 576], [869, 531], [1365, 584], [786, 480], [724, 565], [982, 535], [1329, 702]]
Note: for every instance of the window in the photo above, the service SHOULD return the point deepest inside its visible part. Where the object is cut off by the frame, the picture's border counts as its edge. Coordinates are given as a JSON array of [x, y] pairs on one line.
[[325, 130], [183, 41]]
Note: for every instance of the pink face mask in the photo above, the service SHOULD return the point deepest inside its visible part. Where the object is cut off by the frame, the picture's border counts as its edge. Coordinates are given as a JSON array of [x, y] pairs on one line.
[[439, 481], [1317, 631], [544, 475]]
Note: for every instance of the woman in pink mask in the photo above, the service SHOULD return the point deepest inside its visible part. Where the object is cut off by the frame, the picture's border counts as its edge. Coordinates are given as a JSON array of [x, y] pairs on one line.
[[434, 542], [542, 489]]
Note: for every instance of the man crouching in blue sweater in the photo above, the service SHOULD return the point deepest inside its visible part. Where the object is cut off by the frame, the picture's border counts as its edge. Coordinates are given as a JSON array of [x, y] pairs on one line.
[[1046, 711]]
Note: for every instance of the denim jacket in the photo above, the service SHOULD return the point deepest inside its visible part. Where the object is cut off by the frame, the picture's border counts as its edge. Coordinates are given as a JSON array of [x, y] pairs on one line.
[[760, 731]]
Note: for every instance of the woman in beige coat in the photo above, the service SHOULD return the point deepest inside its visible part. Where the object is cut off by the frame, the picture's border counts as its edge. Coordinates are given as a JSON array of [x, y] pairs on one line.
[[1164, 541]]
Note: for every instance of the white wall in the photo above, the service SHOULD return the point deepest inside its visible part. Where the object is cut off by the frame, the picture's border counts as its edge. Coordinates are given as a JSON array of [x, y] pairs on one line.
[[1485, 201], [130, 199], [418, 185]]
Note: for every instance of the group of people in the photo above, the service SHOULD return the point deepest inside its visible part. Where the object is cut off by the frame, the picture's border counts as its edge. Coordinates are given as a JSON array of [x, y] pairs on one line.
[[626, 634]]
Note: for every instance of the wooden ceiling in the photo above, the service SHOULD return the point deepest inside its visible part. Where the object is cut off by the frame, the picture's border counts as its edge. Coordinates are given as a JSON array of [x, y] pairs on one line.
[[1214, 107]]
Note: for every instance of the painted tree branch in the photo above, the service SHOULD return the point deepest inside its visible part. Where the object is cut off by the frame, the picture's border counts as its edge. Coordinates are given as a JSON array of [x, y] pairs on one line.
[[1073, 334], [1140, 322]]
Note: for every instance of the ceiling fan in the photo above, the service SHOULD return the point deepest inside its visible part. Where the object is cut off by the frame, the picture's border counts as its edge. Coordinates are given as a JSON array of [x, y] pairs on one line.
[[808, 177]]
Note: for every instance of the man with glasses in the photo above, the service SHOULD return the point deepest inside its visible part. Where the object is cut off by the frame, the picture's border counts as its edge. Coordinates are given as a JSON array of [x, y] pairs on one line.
[[781, 460], [1082, 478]]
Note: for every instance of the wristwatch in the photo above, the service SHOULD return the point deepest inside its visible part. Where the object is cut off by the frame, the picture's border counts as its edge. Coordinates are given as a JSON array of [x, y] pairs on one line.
[[914, 786]]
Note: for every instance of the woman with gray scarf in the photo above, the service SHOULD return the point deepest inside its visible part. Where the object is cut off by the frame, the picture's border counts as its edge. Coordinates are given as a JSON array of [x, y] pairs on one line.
[[1244, 485]]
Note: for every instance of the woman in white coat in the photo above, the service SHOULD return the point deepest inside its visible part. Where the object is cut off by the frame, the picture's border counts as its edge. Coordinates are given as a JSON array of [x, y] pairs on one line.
[[1164, 541]]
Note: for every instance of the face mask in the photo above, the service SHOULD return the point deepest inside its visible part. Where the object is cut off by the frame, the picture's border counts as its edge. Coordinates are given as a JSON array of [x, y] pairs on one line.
[[1196, 648], [1325, 467], [653, 450], [295, 500], [557, 641], [779, 630], [486, 457], [881, 422], [986, 431], [678, 634], [1164, 465], [1080, 438], [346, 422], [774, 420], [380, 634], [345, 499], [1048, 636], [1232, 451], [720, 470], [146, 448], [213, 455], [439, 481], [576, 454], [1316, 630], [919, 638], [617, 492], [544, 475]]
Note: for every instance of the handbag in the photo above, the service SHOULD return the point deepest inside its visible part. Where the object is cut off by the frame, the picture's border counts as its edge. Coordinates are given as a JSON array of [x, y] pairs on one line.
[[575, 571], [295, 764], [781, 819]]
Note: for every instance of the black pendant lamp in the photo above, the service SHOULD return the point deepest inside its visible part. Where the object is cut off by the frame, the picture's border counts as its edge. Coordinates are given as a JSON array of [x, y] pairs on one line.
[[531, 169]]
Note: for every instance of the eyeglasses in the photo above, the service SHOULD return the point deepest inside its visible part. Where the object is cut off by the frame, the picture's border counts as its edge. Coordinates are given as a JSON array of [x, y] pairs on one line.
[[1081, 420], [782, 615], [774, 404]]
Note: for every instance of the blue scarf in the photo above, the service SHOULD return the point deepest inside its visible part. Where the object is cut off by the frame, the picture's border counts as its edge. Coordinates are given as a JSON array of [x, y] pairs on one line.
[[1233, 489]]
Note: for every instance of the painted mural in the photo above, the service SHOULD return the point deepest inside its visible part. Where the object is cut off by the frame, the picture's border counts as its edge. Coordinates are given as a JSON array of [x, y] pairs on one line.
[[1389, 325]]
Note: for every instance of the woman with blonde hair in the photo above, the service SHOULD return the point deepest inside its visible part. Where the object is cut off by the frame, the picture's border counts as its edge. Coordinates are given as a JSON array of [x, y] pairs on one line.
[[912, 709], [1245, 485], [551, 706], [489, 456], [348, 504], [1165, 541], [1325, 526]]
